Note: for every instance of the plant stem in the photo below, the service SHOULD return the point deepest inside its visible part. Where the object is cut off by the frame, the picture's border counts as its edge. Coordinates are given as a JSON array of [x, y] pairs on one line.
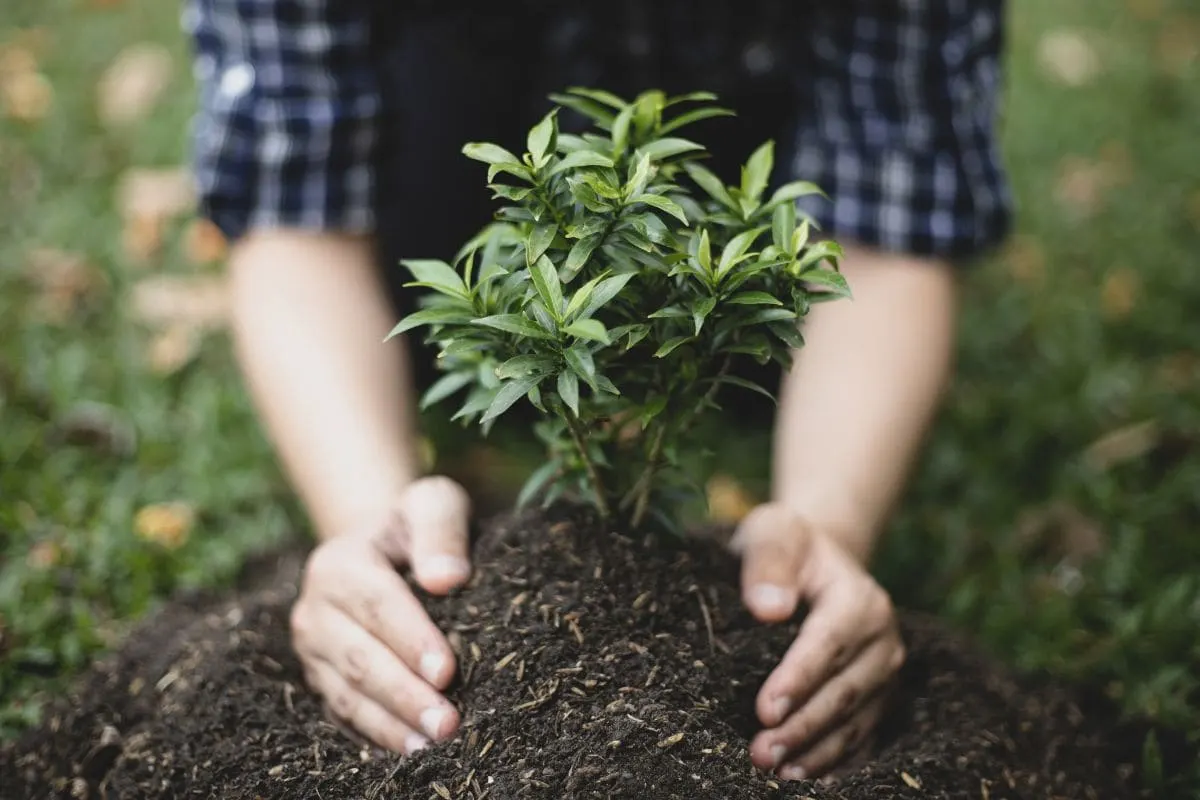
[[646, 480], [577, 436]]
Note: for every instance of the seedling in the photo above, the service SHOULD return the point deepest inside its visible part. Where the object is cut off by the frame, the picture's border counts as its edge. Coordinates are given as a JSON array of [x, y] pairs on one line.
[[617, 289]]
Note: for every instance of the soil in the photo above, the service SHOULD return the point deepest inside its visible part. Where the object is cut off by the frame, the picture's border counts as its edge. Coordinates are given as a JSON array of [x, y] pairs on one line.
[[592, 666]]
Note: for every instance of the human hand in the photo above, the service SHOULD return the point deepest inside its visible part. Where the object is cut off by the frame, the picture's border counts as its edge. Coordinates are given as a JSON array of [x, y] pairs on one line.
[[366, 644], [824, 699]]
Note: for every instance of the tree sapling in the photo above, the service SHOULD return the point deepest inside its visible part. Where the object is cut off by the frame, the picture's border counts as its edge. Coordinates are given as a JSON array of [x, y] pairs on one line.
[[616, 291]]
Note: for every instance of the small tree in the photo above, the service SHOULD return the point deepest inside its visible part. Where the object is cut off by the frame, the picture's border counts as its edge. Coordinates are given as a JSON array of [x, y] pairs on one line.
[[616, 291]]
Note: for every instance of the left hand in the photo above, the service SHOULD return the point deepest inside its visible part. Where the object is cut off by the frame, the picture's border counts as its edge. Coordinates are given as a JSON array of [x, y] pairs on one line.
[[824, 699]]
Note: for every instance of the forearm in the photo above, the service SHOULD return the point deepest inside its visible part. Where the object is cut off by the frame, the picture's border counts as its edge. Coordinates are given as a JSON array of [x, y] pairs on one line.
[[309, 319], [855, 406]]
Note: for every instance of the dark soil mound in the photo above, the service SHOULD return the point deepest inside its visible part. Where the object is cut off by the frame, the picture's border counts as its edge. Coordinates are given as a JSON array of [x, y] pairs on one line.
[[592, 666]]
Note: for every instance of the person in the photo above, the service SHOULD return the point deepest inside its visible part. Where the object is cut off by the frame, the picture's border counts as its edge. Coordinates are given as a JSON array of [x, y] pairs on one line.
[[327, 146]]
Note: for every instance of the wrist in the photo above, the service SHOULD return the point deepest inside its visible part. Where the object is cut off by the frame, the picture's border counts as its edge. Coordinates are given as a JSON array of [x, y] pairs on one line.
[[837, 521]]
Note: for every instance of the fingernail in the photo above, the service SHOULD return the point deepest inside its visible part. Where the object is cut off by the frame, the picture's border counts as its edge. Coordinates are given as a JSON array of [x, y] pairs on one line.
[[431, 666], [781, 706], [771, 598], [444, 568], [431, 721], [415, 742], [778, 751], [793, 773]]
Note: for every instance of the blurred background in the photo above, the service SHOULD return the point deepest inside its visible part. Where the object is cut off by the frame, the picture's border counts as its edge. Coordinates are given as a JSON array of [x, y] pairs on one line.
[[1056, 512]]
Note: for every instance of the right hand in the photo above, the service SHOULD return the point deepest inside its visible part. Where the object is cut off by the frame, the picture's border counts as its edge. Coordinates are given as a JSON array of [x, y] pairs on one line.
[[366, 644]]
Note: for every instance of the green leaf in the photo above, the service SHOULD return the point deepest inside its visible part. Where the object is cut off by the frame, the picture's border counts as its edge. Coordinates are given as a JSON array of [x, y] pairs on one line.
[[640, 176], [510, 393], [620, 131], [788, 333], [514, 323], [605, 292], [568, 390], [636, 334], [754, 299], [828, 279], [711, 184], [737, 248], [437, 275], [535, 482], [543, 317], [600, 96], [607, 386], [670, 312], [652, 409], [662, 149], [431, 316], [745, 384], [768, 315], [477, 402], [446, 386], [582, 295], [757, 172], [757, 347], [579, 359], [664, 204], [588, 226], [540, 239], [589, 329], [602, 186], [518, 366], [580, 159], [545, 280], [648, 110], [581, 251], [541, 137], [791, 192], [783, 225], [489, 153], [700, 311], [671, 346], [690, 97], [819, 252], [588, 108], [799, 238], [694, 116], [514, 169], [704, 252], [501, 191]]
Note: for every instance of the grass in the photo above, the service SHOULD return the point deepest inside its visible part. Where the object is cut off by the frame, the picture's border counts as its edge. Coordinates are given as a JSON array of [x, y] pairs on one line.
[[1065, 550]]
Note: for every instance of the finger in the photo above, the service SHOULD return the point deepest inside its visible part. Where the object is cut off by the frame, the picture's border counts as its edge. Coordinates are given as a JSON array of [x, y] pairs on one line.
[[371, 669], [834, 747], [436, 511], [382, 604], [837, 701], [845, 619], [362, 714], [773, 544]]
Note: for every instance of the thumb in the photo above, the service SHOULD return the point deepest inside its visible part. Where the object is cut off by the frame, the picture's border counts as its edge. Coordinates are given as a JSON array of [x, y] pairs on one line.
[[773, 543], [436, 511]]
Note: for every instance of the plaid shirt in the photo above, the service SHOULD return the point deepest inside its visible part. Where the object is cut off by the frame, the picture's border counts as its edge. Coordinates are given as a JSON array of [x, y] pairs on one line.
[[896, 117]]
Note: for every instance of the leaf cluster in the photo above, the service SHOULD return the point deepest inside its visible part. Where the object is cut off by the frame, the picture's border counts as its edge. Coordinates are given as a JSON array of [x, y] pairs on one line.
[[616, 290]]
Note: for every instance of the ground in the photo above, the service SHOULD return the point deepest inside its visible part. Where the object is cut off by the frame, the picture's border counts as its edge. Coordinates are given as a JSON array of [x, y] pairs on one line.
[[1054, 513]]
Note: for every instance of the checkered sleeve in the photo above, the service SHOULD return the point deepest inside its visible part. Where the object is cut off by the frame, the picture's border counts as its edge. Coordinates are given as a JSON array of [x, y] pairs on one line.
[[288, 116], [898, 124]]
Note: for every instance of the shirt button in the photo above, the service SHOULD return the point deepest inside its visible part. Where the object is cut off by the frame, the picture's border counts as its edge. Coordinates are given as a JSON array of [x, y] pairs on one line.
[[237, 80]]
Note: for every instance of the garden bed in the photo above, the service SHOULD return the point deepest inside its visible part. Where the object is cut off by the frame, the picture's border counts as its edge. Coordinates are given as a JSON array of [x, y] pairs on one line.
[[592, 666]]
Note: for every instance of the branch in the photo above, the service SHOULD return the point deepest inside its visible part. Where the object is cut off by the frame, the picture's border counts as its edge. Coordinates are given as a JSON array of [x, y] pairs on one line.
[[577, 436]]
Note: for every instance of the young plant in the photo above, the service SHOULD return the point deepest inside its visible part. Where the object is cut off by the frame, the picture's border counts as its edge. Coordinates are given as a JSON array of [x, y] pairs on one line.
[[617, 290]]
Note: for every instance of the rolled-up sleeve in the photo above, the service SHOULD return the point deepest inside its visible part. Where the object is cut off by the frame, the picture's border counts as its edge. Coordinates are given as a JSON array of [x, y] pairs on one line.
[[289, 110]]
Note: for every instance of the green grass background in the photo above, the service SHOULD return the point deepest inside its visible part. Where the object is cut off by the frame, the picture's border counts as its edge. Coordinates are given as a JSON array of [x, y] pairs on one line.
[[1055, 353]]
